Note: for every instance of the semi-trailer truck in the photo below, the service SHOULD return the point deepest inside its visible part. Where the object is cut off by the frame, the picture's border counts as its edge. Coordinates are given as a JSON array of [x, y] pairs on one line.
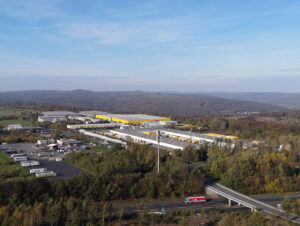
[[46, 174], [38, 170], [197, 199]]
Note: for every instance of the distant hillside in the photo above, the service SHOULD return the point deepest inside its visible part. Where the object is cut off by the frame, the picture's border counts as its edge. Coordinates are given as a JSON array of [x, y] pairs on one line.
[[143, 102], [288, 100]]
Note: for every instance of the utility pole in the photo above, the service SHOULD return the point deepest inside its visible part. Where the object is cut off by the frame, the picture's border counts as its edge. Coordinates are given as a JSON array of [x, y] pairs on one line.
[[158, 141]]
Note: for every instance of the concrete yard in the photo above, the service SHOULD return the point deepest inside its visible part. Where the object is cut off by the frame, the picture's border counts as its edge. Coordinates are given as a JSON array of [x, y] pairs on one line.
[[62, 169]]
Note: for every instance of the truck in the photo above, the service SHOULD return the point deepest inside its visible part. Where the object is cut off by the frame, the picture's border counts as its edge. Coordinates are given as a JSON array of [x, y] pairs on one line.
[[18, 155], [197, 199], [29, 163], [38, 170], [20, 158], [46, 174]]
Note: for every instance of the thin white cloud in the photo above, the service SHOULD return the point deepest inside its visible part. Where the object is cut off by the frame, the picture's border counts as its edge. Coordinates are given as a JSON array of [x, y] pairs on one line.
[[161, 30], [30, 9]]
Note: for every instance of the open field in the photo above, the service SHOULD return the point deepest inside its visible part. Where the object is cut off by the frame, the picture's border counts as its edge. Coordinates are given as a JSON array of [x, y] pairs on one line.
[[15, 121], [4, 159], [14, 110], [10, 169]]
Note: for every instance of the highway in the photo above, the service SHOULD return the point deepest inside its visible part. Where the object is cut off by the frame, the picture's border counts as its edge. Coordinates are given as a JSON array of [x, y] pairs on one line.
[[219, 203], [247, 201]]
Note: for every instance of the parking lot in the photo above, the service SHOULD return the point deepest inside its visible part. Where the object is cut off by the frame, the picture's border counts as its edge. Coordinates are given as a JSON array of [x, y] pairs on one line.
[[47, 160]]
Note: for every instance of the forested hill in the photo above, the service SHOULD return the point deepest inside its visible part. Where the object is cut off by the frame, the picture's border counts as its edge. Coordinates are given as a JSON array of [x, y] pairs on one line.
[[288, 100], [143, 102]]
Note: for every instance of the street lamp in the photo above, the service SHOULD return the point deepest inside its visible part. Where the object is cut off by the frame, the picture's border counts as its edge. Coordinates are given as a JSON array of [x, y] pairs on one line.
[[158, 141]]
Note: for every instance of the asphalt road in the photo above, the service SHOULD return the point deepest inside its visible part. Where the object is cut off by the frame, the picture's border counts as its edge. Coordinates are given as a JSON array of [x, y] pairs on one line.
[[261, 206], [220, 203], [62, 169]]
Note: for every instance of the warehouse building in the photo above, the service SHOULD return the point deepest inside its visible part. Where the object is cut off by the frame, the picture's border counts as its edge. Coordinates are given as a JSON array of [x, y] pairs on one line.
[[60, 113], [136, 119], [158, 124], [137, 136], [56, 116], [172, 139], [95, 126], [52, 119], [92, 113]]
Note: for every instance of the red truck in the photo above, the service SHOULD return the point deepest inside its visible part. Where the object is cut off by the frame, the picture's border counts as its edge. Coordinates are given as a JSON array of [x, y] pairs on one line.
[[195, 199]]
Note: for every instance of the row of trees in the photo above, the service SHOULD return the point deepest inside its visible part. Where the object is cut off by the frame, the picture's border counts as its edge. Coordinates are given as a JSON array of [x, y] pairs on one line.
[[245, 129], [132, 173], [254, 172], [69, 211]]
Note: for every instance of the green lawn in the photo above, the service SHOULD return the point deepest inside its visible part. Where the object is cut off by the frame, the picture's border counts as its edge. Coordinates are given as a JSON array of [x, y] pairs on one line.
[[12, 111], [16, 121], [4, 159], [6, 163], [9, 169], [99, 148]]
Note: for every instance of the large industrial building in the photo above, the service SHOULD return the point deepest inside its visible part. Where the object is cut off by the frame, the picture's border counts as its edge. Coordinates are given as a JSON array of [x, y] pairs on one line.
[[92, 113], [135, 119], [56, 116], [171, 139], [95, 126]]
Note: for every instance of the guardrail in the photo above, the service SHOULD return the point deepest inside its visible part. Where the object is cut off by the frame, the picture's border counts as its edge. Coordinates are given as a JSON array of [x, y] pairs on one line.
[[268, 208], [250, 198], [232, 198]]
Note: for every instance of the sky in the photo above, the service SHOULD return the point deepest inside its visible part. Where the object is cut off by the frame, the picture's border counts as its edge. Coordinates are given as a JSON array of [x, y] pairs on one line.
[[150, 45]]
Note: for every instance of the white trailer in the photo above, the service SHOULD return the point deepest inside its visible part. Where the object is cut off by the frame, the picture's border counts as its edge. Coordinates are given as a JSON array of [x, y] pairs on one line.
[[35, 163], [20, 158], [18, 155], [39, 170], [46, 174], [25, 164], [29, 163]]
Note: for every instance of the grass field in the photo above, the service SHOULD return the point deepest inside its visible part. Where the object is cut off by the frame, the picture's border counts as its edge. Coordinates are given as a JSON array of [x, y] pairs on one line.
[[15, 121], [6, 163], [99, 148], [4, 159], [9, 169], [12, 111]]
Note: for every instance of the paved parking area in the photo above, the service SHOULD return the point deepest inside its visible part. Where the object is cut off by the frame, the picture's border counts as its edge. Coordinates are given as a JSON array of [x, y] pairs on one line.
[[62, 169]]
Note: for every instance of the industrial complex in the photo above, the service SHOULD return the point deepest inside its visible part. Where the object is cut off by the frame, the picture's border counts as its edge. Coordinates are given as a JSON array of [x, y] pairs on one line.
[[137, 128], [170, 138]]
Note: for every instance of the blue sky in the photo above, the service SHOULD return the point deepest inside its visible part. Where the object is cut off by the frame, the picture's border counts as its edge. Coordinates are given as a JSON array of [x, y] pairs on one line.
[[159, 45]]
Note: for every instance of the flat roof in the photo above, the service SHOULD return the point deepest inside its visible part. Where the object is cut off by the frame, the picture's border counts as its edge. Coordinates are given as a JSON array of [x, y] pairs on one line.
[[98, 125], [140, 133], [59, 113], [134, 117], [93, 113], [186, 133]]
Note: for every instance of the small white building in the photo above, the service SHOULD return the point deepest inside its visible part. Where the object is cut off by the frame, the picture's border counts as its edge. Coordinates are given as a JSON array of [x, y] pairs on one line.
[[45, 142], [66, 142], [168, 123], [158, 124], [13, 127], [56, 116]]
